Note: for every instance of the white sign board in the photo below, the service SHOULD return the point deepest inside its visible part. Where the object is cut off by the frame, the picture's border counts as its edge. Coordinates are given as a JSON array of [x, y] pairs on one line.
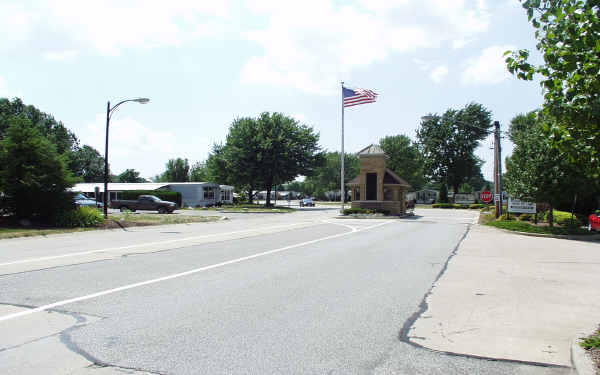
[[496, 197], [515, 205], [464, 198]]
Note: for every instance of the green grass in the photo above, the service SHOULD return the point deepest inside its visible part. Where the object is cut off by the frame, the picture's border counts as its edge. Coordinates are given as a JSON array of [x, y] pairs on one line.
[[520, 226], [124, 219], [159, 219], [31, 232]]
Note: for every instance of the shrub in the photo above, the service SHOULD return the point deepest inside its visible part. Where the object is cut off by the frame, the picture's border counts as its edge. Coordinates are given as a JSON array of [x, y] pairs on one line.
[[525, 217], [355, 210], [82, 217], [449, 205], [564, 219], [477, 206], [165, 195]]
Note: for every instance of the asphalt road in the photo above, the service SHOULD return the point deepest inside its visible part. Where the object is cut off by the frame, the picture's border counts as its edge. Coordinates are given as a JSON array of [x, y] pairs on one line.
[[311, 295]]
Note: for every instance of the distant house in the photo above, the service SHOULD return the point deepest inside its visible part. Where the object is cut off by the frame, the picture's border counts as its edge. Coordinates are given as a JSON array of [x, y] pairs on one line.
[[192, 193], [424, 196]]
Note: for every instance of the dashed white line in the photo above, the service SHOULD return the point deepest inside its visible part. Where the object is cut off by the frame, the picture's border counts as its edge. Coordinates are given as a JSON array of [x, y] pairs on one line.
[[182, 274]]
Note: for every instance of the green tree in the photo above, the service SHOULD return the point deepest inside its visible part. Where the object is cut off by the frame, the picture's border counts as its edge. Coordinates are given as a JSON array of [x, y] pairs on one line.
[[199, 173], [537, 172], [34, 178], [287, 150], [178, 170], [568, 34], [53, 130], [130, 175], [86, 163], [405, 159], [269, 150], [448, 143], [326, 177]]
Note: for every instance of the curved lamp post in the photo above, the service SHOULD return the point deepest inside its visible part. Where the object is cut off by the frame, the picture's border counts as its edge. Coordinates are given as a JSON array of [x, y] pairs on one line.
[[109, 112]]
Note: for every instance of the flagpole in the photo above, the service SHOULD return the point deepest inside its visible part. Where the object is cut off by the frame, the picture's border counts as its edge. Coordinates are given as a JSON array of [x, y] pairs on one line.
[[342, 196]]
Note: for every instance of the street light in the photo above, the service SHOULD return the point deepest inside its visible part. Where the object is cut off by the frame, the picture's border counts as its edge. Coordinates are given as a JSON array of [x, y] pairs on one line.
[[109, 112]]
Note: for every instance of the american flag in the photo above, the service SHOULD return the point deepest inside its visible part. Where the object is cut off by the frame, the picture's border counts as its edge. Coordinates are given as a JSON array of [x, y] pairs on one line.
[[358, 96]]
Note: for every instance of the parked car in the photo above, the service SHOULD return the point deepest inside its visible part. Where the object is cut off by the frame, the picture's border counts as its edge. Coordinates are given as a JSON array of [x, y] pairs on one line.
[[307, 202], [82, 200], [594, 221], [144, 202]]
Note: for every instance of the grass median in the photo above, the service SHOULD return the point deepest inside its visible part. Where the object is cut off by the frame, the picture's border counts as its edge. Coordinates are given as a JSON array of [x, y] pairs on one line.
[[115, 221], [248, 208]]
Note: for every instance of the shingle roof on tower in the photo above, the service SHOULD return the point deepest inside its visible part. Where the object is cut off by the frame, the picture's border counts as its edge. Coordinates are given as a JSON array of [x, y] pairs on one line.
[[371, 150]]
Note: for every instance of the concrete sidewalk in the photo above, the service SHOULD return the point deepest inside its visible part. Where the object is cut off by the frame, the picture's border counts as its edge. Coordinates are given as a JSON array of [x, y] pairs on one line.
[[508, 296]]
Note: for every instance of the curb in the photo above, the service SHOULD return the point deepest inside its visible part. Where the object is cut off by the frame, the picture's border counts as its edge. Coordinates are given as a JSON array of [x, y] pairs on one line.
[[581, 237], [582, 363]]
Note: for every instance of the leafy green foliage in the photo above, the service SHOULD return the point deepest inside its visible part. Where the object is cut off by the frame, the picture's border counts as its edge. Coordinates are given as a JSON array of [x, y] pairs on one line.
[[81, 217], [568, 34], [521, 226], [326, 177], [268, 151], [85, 162], [178, 170], [591, 342], [538, 172], [448, 143], [405, 159], [34, 178], [131, 175], [365, 211]]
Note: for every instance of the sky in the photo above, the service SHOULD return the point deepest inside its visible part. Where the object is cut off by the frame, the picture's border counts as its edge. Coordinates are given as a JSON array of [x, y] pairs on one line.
[[203, 64]]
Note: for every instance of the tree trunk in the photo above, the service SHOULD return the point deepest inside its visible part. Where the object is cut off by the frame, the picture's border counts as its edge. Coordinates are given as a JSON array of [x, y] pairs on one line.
[[551, 216], [268, 202], [250, 190]]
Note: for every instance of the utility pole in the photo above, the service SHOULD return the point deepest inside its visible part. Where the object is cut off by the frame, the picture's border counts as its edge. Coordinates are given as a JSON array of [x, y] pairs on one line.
[[497, 168]]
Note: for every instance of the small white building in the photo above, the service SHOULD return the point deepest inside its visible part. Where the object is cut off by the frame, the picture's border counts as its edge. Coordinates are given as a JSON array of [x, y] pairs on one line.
[[425, 196], [192, 193]]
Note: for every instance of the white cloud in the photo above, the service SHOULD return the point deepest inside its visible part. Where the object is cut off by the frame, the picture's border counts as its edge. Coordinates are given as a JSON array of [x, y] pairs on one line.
[[488, 68], [312, 45], [131, 144], [108, 26], [438, 74], [61, 55]]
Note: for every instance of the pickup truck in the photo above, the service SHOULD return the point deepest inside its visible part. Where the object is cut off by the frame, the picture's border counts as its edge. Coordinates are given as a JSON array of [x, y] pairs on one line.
[[144, 202]]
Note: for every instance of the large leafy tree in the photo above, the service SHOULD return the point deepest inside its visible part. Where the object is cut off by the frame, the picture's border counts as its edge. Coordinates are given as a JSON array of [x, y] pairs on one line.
[[405, 159], [34, 177], [287, 150], [537, 172], [178, 170], [85, 162], [568, 35], [130, 175], [199, 173], [53, 130], [448, 143], [267, 151], [326, 177]]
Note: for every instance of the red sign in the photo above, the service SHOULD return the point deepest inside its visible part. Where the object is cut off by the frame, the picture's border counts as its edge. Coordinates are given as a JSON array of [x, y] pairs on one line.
[[487, 196]]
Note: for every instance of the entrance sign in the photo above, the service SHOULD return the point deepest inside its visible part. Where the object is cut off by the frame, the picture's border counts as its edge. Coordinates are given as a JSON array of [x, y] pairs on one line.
[[487, 196], [516, 205], [464, 199]]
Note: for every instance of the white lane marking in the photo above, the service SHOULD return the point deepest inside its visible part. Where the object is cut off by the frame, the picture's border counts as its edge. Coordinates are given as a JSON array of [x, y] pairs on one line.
[[29, 260], [177, 275], [340, 224]]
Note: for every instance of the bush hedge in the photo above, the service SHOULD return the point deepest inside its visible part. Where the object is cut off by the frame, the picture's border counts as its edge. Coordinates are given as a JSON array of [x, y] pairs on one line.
[[81, 217], [165, 195], [356, 210], [450, 205]]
